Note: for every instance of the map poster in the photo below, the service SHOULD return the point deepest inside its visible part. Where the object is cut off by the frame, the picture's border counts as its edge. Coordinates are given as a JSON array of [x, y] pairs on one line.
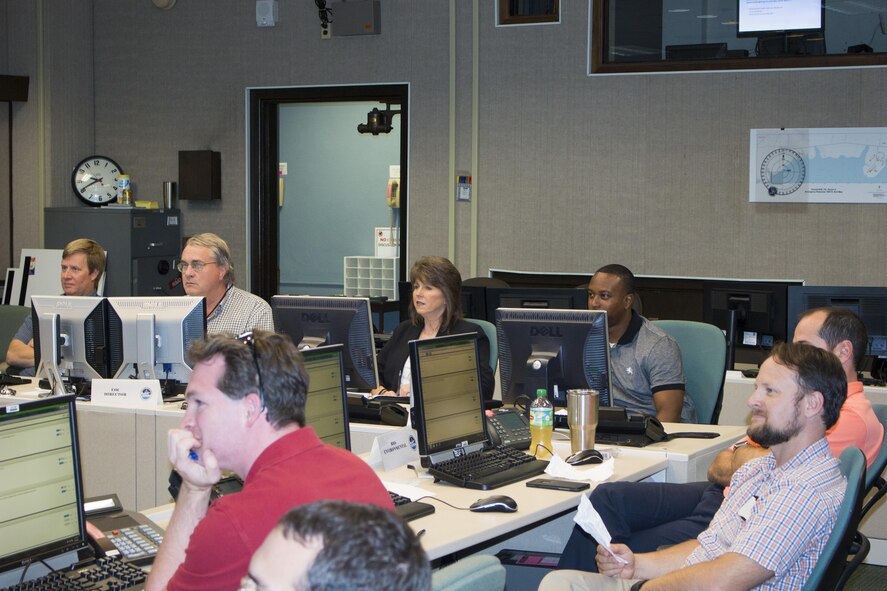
[[825, 165]]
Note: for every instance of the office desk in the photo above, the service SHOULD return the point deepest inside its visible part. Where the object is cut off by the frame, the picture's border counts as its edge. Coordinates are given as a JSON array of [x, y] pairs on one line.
[[450, 531]]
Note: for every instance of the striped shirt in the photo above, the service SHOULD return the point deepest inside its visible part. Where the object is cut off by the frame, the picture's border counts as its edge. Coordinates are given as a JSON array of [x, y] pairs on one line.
[[779, 517]]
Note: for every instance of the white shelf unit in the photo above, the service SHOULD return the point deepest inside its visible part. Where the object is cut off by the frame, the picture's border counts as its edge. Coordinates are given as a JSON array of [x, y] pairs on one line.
[[371, 276]]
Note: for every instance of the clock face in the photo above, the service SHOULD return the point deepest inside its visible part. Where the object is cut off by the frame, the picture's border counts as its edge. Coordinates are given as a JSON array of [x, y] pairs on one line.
[[94, 180]]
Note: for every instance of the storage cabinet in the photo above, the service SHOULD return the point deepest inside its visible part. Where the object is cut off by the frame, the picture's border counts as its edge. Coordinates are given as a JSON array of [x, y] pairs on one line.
[[371, 276]]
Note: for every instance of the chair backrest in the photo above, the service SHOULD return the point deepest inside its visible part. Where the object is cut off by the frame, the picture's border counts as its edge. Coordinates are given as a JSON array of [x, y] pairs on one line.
[[704, 355], [481, 572], [11, 318], [490, 331], [873, 478], [833, 560]]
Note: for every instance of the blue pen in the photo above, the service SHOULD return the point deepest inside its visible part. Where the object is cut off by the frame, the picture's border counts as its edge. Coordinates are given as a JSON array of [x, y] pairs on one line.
[[192, 455]]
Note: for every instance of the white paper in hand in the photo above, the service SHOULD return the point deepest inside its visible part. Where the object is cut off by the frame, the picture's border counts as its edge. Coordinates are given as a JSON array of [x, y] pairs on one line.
[[590, 521]]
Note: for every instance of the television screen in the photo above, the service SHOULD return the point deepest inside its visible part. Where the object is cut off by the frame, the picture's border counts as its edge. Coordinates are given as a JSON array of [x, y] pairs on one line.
[[759, 16]]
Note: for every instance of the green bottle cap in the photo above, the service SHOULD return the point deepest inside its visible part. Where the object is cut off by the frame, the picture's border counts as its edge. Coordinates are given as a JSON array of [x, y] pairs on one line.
[[541, 393]]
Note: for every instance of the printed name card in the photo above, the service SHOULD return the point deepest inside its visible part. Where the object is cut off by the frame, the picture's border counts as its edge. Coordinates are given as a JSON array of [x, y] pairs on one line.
[[395, 449], [127, 392]]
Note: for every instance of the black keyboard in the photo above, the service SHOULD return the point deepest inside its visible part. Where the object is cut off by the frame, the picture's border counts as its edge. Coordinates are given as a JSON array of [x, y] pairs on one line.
[[106, 574], [623, 439], [488, 468], [409, 510]]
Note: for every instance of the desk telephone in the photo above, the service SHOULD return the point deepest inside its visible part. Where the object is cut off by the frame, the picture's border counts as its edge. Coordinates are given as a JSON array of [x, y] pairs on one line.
[[113, 531], [617, 427], [510, 428]]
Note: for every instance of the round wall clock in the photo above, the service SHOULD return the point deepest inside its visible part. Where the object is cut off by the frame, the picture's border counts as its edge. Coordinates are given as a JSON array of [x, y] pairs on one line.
[[94, 180]]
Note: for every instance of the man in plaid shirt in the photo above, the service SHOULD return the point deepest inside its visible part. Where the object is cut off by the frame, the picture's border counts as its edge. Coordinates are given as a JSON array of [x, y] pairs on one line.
[[782, 507]]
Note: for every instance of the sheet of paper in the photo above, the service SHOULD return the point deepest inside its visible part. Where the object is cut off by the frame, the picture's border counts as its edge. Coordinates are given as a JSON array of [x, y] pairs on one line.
[[590, 521], [558, 468], [407, 490]]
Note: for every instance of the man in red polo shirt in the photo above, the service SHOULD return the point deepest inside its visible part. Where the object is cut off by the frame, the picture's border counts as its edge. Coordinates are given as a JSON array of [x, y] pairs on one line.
[[246, 413]]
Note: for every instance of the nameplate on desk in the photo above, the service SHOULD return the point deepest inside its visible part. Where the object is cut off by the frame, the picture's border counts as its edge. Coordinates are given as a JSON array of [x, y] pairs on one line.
[[127, 392], [395, 449]]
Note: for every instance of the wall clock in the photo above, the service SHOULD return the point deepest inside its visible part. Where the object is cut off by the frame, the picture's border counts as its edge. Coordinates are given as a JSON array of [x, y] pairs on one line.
[[94, 180]]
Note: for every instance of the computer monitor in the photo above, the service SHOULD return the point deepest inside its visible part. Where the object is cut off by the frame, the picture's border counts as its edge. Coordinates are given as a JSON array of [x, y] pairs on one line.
[[869, 303], [326, 406], [313, 321], [555, 350], [69, 338], [558, 298], [449, 405], [148, 337], [751, 313], [40, 488]]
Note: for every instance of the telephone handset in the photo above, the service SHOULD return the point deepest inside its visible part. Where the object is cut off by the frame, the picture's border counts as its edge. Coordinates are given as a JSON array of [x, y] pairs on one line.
[[393, 195], [115, 532], [509, 427]]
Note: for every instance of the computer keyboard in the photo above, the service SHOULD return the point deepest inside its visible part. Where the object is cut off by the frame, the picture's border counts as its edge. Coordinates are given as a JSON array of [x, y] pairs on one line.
[[488, 468], [409, 510], [106, 574], [138, 544]]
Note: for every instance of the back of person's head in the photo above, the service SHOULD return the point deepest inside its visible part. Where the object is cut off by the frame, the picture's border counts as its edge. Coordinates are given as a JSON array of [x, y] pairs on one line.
[[841, 324], [220, 251], [622, 272], [818, 370], [95, 255], [264, 362], [439, 272], [364, 547]]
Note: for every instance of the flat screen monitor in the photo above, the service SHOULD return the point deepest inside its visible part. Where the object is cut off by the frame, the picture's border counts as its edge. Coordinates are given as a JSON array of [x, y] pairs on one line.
[[766, 16], [70, 337], [149, 336], [40, 487], [313, 321], [869, 303], [326, 406], [758, 313], [448, 401], [538, 298], [555, 350]]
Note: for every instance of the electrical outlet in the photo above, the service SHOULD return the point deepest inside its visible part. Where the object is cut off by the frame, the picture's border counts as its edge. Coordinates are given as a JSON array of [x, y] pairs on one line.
[[325, 32]]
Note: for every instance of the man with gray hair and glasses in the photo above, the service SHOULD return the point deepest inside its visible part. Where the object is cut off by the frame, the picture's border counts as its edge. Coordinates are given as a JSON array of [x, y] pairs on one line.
[[207, 271]]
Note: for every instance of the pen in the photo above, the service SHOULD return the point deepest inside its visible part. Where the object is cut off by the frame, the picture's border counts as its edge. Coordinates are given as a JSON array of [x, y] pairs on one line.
[[192, 455]]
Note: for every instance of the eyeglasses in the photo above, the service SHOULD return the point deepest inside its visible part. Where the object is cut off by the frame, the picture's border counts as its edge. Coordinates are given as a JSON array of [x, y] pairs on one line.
[[248, 584], [248, 340], [196, 265]]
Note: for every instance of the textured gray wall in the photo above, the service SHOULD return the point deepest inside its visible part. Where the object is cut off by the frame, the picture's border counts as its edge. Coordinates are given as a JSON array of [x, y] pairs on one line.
[[574, 172]]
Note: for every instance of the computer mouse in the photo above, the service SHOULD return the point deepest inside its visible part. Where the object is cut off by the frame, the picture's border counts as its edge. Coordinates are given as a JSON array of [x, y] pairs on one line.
[[585, 456], [496, 503]]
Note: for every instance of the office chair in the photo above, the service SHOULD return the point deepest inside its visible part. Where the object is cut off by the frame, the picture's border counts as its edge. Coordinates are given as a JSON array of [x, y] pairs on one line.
[[11, 318], [874, 479], [490, 331], [832, 569], [704, 356], [481, 572]]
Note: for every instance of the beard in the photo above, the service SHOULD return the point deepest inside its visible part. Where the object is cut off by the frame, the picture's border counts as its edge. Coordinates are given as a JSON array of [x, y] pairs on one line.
[[766, 435]]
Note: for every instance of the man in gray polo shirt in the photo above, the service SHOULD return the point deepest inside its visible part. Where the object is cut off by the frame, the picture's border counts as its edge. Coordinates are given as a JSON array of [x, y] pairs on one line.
[[646, 375]]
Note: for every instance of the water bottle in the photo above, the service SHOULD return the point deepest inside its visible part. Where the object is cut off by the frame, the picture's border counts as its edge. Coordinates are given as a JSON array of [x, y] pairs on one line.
[[541, 425]]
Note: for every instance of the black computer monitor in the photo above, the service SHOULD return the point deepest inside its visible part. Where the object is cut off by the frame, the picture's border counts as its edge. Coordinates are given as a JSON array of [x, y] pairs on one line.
[[555, 350], [148, 337], [313, 321], [536, 298], [869, 303], [326, 405], [40, 488], [70, 339], [753, 313]]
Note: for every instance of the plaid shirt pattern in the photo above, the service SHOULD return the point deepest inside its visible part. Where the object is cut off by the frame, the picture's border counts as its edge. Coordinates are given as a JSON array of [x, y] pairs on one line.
[[239, 312]]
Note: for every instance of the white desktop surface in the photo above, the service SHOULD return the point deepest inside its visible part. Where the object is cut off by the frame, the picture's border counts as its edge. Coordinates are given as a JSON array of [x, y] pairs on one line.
[[448, 531]]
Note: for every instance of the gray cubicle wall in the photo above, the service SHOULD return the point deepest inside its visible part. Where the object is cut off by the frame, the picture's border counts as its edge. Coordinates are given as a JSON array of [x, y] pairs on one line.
[[571, 172]]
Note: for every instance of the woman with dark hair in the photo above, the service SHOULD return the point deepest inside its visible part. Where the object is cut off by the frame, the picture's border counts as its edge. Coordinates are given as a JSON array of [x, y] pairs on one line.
[[435, 310]]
